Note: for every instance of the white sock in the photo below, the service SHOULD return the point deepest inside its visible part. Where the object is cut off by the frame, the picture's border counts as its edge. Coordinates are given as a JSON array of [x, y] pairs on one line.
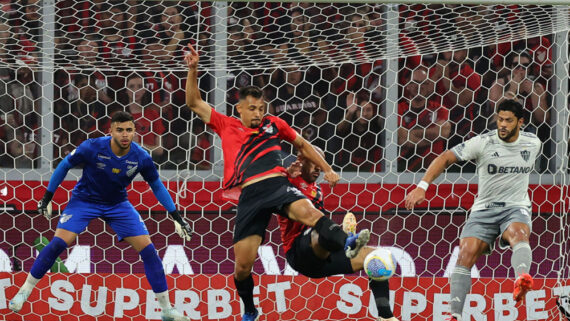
[[163, 300], [30, 283]]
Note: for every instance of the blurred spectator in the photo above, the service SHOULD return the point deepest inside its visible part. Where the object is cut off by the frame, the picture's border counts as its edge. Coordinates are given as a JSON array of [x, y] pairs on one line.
[[423, 123], [150, 128], [300, 37], [360, 134], [295, 101], [516, 82], [459, 85], [21, 152], [118, 46], [540, 49], [27, 28], [87, 116], [202, 145], [21, 118]]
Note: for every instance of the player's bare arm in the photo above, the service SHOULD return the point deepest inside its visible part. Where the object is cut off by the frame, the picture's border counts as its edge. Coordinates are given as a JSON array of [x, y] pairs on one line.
[[435, 169], [307, 150], [193, 99]]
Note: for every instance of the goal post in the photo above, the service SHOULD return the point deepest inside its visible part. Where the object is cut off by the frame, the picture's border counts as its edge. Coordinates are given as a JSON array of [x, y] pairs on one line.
[[349, 77]]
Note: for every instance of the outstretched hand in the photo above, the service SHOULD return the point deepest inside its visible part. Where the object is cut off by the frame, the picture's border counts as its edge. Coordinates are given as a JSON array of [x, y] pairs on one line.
[[183, 229], [192, 58], [181, 226], [331, 177], [415, 197], [44, 208], [294, 169]]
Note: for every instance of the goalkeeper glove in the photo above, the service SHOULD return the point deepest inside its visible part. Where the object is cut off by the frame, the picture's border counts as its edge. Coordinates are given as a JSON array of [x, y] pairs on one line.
[[182, 227], [44, 205]]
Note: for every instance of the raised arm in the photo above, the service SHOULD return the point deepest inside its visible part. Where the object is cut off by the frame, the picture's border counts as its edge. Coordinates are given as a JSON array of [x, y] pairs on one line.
[[311, 154], [435, 169], [193, 99]]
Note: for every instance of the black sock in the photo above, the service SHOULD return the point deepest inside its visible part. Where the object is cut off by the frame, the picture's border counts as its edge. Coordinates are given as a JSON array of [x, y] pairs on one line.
[[245, 292], [381, 291], [331, 235]]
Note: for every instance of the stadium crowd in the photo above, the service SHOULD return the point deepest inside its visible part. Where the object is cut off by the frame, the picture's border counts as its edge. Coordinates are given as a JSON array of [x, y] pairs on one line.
[[443, 98]]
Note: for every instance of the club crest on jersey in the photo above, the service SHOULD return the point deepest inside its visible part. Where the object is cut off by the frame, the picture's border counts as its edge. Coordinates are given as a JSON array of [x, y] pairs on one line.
[[268, 129], [64, 218], [525, 154], [116, 171], [131, 171]]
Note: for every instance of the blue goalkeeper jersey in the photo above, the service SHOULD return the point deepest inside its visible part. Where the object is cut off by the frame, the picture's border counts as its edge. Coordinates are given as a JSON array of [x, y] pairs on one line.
[[106, 176]]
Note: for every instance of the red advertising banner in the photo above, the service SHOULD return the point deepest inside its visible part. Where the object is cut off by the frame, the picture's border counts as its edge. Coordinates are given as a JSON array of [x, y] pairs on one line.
[[212, 297]]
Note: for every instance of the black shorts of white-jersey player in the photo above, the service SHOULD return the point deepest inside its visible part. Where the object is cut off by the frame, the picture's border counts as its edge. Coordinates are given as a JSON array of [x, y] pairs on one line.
[[505, 157], [252, 162], [310, 259]]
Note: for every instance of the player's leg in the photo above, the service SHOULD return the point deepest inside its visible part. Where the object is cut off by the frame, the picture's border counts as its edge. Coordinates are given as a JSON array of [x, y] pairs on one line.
[[73, 220], [155, 275], [380, 289], [470, 249], [517, 235], [129, 226], [42, 264], [331, 236], [245, 252]]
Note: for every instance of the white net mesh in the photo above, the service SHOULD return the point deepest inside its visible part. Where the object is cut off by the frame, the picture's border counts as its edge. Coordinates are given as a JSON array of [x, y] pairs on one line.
[[382, 89]]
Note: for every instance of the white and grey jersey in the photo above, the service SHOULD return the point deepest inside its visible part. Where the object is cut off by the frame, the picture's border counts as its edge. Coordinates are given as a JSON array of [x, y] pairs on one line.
[[503, 168]]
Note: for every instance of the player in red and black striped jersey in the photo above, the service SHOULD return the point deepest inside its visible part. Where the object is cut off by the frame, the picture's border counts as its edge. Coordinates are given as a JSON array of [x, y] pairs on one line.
[[253, 163], [301, 246]]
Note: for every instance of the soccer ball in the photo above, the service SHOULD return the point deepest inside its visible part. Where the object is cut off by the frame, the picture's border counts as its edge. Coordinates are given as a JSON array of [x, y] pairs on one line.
[[380, 264]]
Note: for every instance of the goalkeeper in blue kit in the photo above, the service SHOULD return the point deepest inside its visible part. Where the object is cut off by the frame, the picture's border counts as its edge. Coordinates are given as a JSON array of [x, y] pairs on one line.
[[110, 164]]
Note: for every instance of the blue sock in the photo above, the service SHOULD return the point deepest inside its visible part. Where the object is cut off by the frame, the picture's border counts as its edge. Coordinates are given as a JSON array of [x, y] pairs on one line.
[[47, 257], [153, 269]]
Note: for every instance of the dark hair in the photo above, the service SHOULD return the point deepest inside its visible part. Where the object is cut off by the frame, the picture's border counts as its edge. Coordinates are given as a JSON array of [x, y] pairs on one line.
[[121, 117], [513, 106], [252, 91]]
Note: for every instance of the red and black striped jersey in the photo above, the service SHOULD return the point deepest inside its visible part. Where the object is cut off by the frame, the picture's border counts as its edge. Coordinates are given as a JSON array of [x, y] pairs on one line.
[[291, 229], [250, 153]]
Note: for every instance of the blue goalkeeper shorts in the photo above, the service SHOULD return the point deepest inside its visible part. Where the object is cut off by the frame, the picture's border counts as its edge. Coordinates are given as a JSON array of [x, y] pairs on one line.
[[122, 217]]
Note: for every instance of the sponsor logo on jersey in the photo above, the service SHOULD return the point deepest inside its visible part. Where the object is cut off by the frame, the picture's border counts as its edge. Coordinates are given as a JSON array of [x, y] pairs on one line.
[[495, 204], [132, 171], [495, 155], [525, 154], [116, 171], [65, 217], [294, 190], [131, 162], [494, 169], [101, 165], [103, 156]]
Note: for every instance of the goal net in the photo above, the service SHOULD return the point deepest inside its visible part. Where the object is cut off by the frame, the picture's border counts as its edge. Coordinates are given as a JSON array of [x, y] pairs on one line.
[[381, 88]]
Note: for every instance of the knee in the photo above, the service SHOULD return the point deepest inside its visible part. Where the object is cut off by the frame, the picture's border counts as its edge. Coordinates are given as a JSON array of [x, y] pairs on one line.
[[518, 235], [242, 270], [468, 255], [309, 216]]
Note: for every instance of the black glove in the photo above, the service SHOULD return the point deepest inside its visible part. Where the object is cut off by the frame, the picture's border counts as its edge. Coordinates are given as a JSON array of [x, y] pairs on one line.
[[182, 227], [44, 205]]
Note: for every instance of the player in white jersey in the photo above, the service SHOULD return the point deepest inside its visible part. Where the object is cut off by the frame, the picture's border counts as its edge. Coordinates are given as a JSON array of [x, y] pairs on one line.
[[505, 157]]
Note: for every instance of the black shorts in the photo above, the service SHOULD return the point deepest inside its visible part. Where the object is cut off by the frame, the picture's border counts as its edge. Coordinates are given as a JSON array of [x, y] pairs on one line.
[[303, 260], [259, 201]]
